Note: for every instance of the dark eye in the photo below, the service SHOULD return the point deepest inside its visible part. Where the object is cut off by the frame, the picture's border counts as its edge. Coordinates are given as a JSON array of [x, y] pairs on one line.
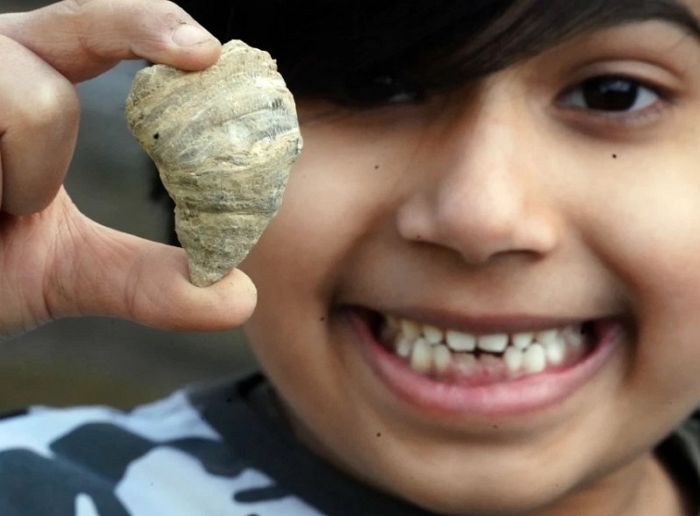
[[610, 94]]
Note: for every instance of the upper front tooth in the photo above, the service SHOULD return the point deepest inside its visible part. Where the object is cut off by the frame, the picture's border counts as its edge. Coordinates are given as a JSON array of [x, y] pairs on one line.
[[495, 343], [432, 334], [409, 328], [547, 336], [459, 341], [522, 340]]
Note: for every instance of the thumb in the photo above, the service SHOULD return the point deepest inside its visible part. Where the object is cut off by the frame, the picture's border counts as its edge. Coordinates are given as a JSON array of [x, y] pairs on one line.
[[83, 38], [116, 274]]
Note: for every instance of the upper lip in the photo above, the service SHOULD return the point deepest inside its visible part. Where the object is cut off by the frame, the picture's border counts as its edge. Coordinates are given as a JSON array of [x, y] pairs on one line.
[[483, 323]]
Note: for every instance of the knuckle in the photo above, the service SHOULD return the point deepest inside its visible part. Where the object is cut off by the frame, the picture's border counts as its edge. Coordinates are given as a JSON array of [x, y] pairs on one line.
[[168, 15], [145, 22], [51, 101]]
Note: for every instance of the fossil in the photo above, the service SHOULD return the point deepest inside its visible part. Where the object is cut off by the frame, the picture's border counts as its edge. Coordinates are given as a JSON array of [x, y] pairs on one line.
[[223, 140]]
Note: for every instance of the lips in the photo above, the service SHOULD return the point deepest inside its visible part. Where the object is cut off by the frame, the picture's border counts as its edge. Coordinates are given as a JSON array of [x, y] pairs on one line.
[[516, 370]]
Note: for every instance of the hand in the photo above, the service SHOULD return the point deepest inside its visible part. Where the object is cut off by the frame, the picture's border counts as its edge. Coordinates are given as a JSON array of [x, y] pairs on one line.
[[54, 261]]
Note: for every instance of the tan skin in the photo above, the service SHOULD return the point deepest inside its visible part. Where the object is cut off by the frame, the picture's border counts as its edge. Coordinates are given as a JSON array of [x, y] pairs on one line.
[[502, 198], [55, 261], [557, 227]]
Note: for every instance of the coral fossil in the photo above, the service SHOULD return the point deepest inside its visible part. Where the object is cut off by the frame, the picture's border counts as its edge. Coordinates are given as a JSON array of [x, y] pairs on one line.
[[223, 140]]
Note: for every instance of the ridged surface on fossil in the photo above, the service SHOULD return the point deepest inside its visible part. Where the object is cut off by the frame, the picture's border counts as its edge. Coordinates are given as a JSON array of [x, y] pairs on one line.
[[223, 140]]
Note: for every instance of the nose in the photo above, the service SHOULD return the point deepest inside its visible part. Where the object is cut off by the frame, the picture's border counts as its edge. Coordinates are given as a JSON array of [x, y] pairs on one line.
[[478, 193]]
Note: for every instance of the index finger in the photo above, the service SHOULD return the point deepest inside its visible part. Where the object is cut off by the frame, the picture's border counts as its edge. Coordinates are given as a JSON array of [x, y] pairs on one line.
[[83, 38]]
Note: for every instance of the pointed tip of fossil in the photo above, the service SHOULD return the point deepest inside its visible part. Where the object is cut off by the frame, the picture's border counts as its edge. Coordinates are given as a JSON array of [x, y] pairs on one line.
[[203, 276]]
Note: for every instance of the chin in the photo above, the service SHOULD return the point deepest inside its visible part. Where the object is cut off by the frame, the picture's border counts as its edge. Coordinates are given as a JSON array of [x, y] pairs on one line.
[[480, 490]]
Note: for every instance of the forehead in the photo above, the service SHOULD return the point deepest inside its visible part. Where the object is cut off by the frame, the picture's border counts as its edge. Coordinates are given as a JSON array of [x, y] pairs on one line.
[[526, 28], [683, 13]]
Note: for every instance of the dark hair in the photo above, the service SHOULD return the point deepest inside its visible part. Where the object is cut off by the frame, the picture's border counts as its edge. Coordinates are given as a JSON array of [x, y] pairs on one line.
[[364, 52], [367, 51]]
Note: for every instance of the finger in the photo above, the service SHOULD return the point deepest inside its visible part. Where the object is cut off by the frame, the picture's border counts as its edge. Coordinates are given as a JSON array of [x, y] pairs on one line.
[[39, 115], [111, 273], [83, 38]]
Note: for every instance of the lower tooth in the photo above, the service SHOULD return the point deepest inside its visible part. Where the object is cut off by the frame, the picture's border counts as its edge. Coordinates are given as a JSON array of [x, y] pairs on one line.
[[441, 358], [513, 358], [404, 347], [421, 356], [466, 362], [534, 360], [555, 351]]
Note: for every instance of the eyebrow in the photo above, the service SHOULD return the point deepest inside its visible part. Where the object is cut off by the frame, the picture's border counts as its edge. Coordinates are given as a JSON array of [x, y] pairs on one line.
[[669, 11]]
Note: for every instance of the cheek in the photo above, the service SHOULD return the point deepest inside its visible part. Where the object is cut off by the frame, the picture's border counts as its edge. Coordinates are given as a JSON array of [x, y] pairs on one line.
[[340, 190], [333, 200], [648, 231], [646, 228]]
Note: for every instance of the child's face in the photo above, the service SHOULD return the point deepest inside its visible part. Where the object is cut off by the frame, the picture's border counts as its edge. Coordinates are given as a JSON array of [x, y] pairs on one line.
[[528, 202]]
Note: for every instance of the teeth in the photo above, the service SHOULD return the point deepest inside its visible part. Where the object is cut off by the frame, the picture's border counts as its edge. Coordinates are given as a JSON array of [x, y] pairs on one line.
[[432, 334], [404, 347], [547, 337], [513, 357], [459, 341], [493, 343], [534, 360], [572, 336], [490, 361], [466, 362], [421, 356], [410, 329], [555, 351], [522, 340], [430, 349], [441, 358]]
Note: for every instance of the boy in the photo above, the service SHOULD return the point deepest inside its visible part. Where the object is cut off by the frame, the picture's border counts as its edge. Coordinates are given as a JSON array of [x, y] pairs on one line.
[[478, 297]]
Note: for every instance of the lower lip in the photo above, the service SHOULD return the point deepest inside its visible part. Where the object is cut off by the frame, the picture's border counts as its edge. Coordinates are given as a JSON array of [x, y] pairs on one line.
[[513, 398]]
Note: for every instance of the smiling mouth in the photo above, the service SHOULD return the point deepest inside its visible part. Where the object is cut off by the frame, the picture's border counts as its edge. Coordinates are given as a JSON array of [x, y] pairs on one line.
[[457, 356], [537, 364]]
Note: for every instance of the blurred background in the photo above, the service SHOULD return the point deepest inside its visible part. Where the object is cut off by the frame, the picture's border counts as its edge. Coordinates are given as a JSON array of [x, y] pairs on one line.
[[100, 360]]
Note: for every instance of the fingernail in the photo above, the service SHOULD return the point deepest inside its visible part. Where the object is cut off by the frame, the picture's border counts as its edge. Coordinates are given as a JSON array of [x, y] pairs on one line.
[[189, 35]]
